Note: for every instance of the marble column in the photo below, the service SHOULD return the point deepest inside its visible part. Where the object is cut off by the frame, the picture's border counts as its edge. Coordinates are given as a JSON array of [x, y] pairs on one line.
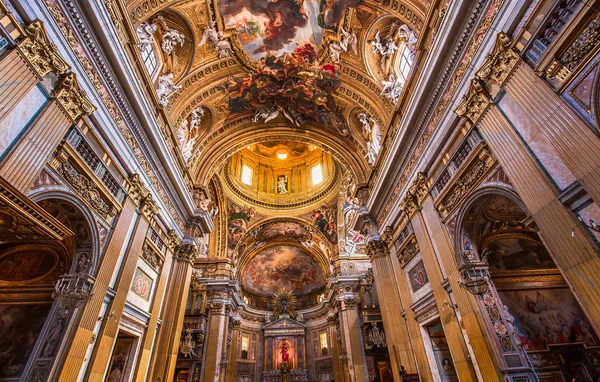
[[216, 341], [150, 336], [232, 351], [167, 348], [391, 307], [84, 336], [352, 339]]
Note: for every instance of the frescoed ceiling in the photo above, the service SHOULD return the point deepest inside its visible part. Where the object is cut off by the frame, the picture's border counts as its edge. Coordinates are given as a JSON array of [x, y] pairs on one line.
[[283, 266]]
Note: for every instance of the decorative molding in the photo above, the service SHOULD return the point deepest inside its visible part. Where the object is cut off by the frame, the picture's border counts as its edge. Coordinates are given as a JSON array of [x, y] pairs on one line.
[[72, 98], [84, 186], [409, 249], [500, 62], [468, 180], [40, 52], [149, 208], [474, 102], [173, 240], [187, 252], [137, 190], [377, 249], [152, 257]]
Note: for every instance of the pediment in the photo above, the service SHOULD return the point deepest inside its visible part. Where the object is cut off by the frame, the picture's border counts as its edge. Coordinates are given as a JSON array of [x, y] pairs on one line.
[[284, 325]]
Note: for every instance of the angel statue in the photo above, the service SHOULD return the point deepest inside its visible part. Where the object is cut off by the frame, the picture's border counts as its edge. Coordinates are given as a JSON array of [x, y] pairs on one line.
[[392, 88], [166, 88], [219, 43], [145, 33], [196, 118], [172, 38], [384, 47], [409, 37], [348, 40]]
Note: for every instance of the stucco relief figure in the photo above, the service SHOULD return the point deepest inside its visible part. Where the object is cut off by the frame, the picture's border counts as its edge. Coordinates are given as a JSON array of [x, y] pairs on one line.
[[172, 38], [392, 88], [348, 40], [219, 43], [186, 143], [409, 37], [196, 118], [166, 88], [265, 114], [384, 47], [372, 134], [145, 34]]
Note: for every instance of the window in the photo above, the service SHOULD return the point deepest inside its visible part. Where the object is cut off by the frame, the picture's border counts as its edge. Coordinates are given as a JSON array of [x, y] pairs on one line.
[[323, 340], [406, 61], [149, 58], [247, 175], [317, 174], [245, 346]]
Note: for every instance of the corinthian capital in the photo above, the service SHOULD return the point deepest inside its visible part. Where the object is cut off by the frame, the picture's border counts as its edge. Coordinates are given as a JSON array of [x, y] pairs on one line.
[[187, 251], [137, 190], [500, 62], [72, 98], [172, 239], [149, 208], [474, 102], [377, 248], [40, 52]]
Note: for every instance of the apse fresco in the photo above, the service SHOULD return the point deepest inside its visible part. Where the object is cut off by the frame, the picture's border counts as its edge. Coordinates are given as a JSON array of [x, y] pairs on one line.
[[280, 26], [283, 266], [548, 316], [511, 254], [20, 326]]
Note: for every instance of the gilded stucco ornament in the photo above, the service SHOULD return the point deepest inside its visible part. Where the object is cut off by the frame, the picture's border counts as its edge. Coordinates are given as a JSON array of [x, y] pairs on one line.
[[137, 190], [173, 240], [377, 248], [500, 62], [149, 208], [188, 251], [72, 98], [474, 102], [40, 52]]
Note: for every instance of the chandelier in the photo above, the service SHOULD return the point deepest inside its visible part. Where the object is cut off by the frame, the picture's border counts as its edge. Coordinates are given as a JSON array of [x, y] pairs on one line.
[[72, 290], [376, 336]]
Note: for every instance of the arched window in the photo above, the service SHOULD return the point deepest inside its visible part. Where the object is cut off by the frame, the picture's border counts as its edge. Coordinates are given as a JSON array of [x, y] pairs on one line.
[[406, 60], [149, 58]]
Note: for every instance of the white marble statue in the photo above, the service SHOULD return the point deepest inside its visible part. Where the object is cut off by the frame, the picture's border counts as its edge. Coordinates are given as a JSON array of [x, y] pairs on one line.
[[219, 43], [347, 40], [186, 142], [384, 47], [145, 33], [172, 38], [372, 134], [392, 88], [409, 37], [196, 118], [166, 88]]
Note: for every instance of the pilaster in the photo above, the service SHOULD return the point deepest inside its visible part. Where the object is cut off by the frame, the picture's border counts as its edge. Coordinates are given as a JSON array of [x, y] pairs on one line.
[[391, 306], [216, 339]]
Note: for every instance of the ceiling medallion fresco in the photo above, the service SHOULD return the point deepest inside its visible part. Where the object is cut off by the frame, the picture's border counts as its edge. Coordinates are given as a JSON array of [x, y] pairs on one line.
[[280, 26], [283, 266]]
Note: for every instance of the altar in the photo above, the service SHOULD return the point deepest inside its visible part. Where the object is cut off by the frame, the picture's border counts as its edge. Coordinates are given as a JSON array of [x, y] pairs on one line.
[[285, 351]]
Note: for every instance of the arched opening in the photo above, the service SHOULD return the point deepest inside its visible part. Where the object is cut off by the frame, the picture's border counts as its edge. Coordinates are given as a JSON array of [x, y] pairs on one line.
[[529, 308], [41, 305]]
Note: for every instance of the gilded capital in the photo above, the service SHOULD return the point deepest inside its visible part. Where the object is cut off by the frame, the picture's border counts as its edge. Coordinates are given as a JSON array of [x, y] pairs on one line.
[[40, 52], [72, 98], [500, 62], [409, 204], [149, 208], [173, 240], [419, 188], [377, 248], [187, 252], [137, 190], [388, 235], [474, 102]]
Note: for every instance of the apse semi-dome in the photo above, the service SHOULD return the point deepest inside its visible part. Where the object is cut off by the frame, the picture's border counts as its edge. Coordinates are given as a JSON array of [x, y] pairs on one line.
[[283, 266]]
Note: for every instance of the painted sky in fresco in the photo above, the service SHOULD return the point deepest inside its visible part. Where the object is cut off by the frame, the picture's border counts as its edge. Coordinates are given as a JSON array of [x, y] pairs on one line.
[[283, 266]]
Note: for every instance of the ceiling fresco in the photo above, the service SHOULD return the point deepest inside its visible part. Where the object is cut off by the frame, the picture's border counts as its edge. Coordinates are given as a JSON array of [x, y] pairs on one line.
[[283, 266], [280, 26]]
